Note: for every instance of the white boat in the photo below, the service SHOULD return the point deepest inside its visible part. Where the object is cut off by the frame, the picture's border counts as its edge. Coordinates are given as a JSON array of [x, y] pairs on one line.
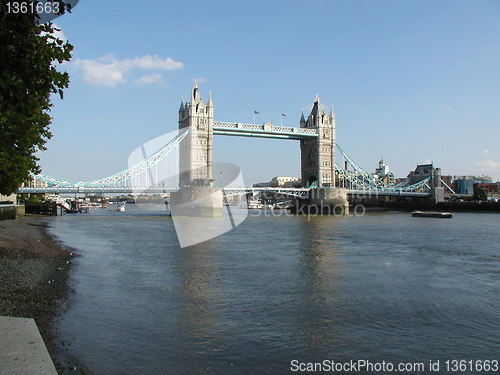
[[254, 205], [121, 207]]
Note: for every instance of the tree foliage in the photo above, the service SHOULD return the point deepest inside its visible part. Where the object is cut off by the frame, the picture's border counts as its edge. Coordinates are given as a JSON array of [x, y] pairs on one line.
[[480, 194], [28, 76]]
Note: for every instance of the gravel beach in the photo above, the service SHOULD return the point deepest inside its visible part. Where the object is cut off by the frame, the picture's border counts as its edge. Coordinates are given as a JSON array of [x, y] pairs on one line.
[[34, 272]]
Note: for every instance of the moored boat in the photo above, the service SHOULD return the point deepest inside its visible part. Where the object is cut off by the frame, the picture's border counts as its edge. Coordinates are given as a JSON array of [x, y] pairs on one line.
[[443, 215], [254, 205]]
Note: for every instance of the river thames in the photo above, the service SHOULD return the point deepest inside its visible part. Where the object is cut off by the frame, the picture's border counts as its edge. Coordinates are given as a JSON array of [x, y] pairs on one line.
[[381, 287]]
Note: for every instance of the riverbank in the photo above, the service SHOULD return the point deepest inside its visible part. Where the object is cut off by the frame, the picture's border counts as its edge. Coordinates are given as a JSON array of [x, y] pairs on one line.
[[465, 206], [34, 272]]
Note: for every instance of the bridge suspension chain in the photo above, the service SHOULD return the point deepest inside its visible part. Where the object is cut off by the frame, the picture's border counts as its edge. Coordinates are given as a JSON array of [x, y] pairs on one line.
[[360, 179], [124, 175], [361, 175]]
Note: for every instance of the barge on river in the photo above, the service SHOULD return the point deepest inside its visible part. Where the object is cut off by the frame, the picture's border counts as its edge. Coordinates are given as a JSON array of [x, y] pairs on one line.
[[442, 215]]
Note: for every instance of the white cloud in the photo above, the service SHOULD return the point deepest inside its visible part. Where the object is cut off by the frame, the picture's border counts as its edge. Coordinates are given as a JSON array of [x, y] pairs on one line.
[[100, 74], [109, 71], [486, 151], [202, 79], [488, 165], [449, 108], [148, 79], [151, 62]]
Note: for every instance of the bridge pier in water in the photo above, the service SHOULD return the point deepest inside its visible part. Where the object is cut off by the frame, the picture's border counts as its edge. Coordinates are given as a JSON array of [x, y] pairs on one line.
[[199, 201], [323, 201]]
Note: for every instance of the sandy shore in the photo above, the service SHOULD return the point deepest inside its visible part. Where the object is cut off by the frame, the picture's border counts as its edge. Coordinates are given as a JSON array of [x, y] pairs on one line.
[[34, 272]]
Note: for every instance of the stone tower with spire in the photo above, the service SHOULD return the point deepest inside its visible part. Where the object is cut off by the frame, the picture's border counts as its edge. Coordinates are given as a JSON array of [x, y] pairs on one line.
[[318, 154], [195, 158]]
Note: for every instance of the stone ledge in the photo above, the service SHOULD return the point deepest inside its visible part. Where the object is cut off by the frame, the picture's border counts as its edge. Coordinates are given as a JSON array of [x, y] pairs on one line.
[[22, 350]]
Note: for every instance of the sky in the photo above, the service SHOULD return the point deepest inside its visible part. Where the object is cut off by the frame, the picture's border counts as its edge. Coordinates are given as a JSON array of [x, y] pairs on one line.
[[413, 81]]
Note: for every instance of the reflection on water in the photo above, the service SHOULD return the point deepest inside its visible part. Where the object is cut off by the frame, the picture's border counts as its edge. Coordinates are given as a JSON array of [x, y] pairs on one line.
[[199, 301], [319, 287], [379, 287]]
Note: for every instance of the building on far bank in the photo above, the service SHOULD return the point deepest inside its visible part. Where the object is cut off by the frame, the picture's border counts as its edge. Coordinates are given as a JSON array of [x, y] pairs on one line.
[[383, 173], [34, 182], [477, 179], [280, 182], [447, 181], [285, 181], [465, 184], [421, 172], [492, 189], [8, 199]]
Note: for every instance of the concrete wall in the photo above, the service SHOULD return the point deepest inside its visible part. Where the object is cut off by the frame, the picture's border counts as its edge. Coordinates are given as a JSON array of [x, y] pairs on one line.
[[7, 211]]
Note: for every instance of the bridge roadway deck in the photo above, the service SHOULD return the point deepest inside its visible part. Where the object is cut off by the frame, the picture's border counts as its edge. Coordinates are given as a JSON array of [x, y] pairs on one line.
[[227, 190], [267, 130]]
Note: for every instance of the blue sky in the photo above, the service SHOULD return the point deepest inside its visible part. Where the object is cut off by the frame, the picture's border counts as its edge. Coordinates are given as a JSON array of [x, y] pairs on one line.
[[412, 81]]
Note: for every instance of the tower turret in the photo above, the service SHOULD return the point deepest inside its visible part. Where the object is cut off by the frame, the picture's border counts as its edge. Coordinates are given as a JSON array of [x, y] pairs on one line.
[[196, 149], [317, 154], [181, 109], [302, 121], [332, 115], [210, 106]]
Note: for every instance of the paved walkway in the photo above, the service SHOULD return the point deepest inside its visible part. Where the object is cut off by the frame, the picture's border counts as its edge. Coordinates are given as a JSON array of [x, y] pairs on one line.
[[22, 350]]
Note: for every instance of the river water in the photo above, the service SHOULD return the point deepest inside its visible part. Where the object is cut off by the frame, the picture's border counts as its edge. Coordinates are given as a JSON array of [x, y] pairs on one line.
[[381, 287]]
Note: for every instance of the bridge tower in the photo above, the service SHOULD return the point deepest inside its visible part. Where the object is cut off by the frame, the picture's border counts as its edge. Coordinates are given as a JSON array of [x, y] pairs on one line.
[[318, 154], [195, 158]]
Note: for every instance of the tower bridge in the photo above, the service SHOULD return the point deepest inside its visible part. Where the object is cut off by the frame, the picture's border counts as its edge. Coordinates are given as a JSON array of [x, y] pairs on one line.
[[316, 135], [319, 168]]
